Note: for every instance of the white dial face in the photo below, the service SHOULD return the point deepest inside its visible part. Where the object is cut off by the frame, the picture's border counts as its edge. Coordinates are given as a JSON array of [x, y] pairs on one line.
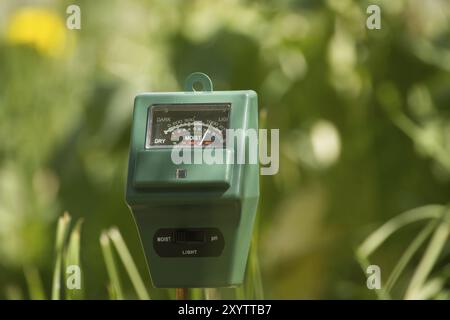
[[198, 125]]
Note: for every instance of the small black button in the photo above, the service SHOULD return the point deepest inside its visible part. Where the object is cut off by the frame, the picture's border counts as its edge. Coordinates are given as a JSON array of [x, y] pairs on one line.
[[181, 173]]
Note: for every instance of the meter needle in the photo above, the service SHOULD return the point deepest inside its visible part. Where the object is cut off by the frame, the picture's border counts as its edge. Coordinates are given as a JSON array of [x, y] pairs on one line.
[[204, 135]]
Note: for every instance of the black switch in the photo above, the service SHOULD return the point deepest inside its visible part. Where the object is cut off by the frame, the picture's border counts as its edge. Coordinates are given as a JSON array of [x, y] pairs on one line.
[[195, 236], [190, 236], [180, 236]]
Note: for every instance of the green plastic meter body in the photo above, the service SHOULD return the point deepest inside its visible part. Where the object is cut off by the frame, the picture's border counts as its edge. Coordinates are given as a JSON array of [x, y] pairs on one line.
[[194, 216]]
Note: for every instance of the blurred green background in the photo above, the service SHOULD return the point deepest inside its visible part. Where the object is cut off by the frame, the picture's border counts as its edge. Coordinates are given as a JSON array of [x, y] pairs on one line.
[[364, 119]]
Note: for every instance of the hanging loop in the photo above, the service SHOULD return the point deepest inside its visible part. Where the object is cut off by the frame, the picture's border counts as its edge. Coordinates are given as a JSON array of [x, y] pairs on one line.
[[198, 81]]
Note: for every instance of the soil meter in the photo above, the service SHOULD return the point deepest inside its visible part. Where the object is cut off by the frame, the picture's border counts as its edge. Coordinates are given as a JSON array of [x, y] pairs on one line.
[[195, 218]]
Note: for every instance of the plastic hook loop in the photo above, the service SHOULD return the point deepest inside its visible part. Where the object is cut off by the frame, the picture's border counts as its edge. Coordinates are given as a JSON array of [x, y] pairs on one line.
[[198, 81]]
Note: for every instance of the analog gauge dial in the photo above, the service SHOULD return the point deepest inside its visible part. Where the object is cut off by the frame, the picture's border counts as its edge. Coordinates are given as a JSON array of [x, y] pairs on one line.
[[197, 125]]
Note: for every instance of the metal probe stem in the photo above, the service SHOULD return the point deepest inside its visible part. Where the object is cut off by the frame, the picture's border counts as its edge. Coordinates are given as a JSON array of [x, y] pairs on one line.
[[181, 293]]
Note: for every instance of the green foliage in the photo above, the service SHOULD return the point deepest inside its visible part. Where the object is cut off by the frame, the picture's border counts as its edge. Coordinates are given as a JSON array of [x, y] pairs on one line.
[[420, 286], [364, 135], [61, 234], [115, 287], [125, 256], [34, 283], [72, 258]]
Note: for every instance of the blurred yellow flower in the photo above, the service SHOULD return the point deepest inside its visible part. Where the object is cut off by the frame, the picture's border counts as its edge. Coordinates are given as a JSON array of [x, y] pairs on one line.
[[39, 28]]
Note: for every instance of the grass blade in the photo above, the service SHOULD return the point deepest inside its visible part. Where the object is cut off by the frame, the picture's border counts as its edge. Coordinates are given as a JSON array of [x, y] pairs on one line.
[[211, 294], [115, 289], [428, 260], [252, 288], [431, 289], [129, 264], [376, 239], [249, 288], [73, 259], [409, 253], [196, 293], [256, 273], [239, 292], [34, 282], [61, 232]]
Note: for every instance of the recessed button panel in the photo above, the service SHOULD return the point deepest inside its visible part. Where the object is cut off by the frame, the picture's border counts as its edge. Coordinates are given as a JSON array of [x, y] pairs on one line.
[[188, 242]]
